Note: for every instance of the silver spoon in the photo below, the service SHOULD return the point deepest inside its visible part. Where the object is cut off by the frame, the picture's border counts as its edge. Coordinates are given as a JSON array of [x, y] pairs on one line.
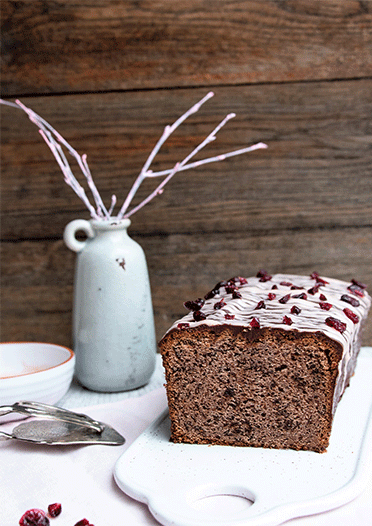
[[50, 411], [57, 432]]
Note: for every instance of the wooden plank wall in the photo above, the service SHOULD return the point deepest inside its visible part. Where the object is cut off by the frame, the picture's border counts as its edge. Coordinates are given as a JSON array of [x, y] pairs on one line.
[[110, 74]]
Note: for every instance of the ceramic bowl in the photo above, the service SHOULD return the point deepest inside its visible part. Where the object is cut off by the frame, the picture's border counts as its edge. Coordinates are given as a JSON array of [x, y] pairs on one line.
[[37, 372]]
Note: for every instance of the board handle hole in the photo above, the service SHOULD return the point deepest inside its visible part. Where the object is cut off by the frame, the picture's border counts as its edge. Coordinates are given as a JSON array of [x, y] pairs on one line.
[[221, 502]]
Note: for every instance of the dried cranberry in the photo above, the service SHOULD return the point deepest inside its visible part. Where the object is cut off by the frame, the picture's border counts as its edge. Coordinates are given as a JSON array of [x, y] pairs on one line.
[[351, 315], [302, 296], [230, 287], [194, 305], [220, 284], [322, 297], [358, 284], [287, 320], [285, 298], [353, 301], [336, 324], [356, 290], [318, 279], [183, 326], [325, 306], [219, 304], [263, 275], [274, 287], [199, 316], [229, 316], [83, 522], [211, 294], [285, 284], [236, 295], [314, 289], [238, 279], [295, 310], [271, 296], [55, 509], [254, 323], [260, 305], [295, 287], [34, 517]]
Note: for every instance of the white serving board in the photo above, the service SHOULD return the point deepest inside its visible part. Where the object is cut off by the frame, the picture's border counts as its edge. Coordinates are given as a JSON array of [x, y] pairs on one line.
[[175, 479]]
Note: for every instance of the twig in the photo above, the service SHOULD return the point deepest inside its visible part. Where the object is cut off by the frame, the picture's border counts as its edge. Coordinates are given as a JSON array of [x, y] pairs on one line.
[[55, 141]]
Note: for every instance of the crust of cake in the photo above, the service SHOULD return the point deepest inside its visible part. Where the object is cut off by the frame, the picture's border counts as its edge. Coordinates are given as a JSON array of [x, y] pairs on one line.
[[259, 387]]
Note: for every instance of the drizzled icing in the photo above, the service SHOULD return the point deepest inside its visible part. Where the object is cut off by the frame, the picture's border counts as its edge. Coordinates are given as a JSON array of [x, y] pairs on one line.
[[253, 304]]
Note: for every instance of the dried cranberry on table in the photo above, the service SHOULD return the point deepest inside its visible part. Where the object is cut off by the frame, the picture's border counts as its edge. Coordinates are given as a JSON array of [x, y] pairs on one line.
[[55, 509], [34, 517]]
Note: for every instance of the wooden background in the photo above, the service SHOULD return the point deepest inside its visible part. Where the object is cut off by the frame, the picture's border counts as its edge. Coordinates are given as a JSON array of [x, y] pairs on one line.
[[109, 75]]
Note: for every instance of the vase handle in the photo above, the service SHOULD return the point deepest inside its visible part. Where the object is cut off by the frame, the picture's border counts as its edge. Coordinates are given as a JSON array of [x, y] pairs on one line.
[[69, 235]]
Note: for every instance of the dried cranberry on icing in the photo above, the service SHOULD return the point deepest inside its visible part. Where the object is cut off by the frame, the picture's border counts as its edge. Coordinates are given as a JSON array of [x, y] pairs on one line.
[[183, 326], [314, 289], [353, 301], [274, 287], [285, 284], [295, 287], [336, 324], [358, 284], [263, 275], [229, 316], [55, 509], [295, 310], [236, 295], [356, 290], [285, 298], [211, 294], [302, 296], [318, 279], [271, 296], [194, 305], [260, 305], [230, 287], [254, 323], [351, 315], [322, 297], [199, 316], [287, 320], [219, 304], [34, 517], [325, 306], [238, 279]]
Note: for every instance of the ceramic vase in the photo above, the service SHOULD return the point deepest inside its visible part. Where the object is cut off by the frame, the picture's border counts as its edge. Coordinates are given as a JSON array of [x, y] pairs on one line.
[[113, 322]]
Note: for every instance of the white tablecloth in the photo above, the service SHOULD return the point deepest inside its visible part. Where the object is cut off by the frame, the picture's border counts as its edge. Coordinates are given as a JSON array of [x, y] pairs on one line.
[[81, 477]]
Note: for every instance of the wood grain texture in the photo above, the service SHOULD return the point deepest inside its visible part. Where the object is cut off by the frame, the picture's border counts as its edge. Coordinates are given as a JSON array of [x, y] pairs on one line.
[[58, 46], [37, 277], [109, 75], [315, 173]]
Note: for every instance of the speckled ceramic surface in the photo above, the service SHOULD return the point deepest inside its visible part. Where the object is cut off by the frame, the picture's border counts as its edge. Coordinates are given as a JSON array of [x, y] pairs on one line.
[[174, 480]]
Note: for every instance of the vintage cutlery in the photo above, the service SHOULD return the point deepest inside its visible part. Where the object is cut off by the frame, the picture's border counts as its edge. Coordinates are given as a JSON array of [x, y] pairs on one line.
[[62, 426]]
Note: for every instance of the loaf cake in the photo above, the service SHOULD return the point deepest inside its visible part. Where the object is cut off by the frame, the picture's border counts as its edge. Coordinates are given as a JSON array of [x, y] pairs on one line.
[[263, 361]]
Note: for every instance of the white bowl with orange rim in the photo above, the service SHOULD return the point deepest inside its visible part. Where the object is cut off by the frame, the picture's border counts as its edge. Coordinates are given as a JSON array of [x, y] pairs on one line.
[[37, 372]]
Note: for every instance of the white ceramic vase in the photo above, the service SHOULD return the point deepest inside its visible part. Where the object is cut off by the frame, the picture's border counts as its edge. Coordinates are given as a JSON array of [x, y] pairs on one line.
[[113, 321]]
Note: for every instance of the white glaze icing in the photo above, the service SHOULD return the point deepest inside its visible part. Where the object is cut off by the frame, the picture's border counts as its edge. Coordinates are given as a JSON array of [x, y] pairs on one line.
[[312, 317]]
